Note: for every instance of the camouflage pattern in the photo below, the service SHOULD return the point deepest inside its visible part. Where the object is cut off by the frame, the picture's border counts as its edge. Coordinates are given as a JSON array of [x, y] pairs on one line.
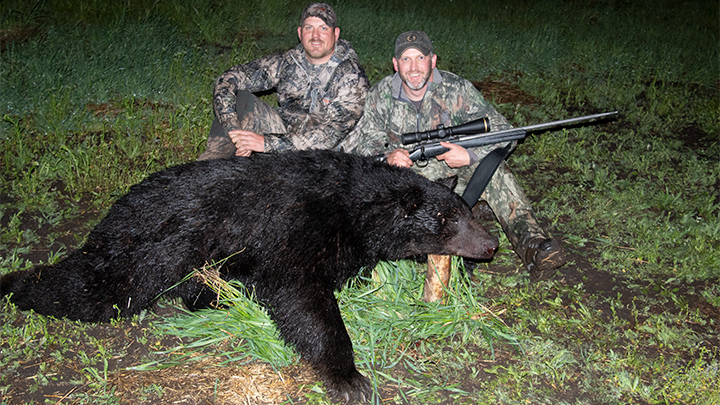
[[450, 100], [322, 11], [253, 115], [318, 105]]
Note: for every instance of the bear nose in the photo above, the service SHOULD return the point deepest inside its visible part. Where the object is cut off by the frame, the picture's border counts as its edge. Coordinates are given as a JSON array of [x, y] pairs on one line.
[[492, 248]]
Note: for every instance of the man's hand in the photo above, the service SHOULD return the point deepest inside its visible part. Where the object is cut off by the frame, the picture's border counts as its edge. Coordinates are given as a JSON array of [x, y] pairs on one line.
[[456, 157], [399, 157], [247, 142]]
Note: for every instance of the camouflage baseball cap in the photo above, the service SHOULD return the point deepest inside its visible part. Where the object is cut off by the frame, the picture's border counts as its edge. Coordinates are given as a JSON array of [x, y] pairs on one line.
[[321, 11], [413, 39]]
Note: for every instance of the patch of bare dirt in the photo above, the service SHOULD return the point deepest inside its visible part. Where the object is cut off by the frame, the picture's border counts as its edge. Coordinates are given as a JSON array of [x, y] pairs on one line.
[[502, 92], [68, 233], [17, 35], [62, 373]]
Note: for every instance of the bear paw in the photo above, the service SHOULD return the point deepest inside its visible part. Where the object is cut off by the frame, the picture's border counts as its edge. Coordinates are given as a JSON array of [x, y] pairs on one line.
[[356, 388]]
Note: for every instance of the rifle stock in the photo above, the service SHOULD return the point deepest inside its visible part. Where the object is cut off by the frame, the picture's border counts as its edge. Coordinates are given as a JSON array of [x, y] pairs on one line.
[[426, 150]]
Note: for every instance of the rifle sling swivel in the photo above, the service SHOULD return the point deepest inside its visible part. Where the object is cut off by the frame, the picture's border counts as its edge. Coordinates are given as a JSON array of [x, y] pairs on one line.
[[423, 160]]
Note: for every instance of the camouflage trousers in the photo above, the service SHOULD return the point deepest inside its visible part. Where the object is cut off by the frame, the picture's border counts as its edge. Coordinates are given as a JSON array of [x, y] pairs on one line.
[[503, 195], [512, 208], [253, 115]]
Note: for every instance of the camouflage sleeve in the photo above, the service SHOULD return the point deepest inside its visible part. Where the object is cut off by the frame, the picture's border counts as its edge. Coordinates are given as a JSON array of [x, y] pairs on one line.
[[258, 75], [332, 119], [475, 106], [478, 107], [369, 138]]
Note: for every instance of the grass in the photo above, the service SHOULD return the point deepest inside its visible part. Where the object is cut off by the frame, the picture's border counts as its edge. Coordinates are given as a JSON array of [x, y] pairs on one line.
[[386, 318], [97, 95]]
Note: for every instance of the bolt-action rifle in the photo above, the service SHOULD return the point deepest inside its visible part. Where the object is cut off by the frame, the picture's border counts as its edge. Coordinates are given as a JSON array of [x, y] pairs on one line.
[[477, 133]]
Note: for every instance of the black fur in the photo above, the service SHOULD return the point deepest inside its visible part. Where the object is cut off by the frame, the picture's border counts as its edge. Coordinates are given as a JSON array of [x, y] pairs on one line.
[[296, 225]]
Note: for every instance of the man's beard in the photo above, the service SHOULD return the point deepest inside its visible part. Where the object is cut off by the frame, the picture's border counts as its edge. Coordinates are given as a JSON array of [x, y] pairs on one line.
[[319, 53], [422, 84]]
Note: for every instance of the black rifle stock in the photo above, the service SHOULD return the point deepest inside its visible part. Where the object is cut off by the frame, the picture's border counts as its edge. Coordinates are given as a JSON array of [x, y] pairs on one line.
[[426, 150]]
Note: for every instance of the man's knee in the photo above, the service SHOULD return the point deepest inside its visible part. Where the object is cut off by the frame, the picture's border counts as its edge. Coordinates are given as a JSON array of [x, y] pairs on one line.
[[253, 115], [257, 116], [219, 144], [245, 103]]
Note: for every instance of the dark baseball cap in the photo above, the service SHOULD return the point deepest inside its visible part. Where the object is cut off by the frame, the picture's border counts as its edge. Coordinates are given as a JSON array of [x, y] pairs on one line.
[[413, 39], [321, 11]]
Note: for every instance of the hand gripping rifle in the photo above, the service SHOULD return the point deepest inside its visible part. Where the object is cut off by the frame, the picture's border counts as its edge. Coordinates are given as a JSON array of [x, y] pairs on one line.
[[476, 133]]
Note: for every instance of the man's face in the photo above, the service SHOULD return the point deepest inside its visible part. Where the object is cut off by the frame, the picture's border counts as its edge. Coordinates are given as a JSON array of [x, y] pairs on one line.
[[318, 39], [415, 68]]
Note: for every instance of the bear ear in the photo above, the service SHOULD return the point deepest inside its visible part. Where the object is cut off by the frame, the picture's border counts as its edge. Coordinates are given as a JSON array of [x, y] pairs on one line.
[[449, 182]]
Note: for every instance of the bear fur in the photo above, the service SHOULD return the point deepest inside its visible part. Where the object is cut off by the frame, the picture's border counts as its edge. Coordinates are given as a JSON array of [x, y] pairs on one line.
[[296, 227]]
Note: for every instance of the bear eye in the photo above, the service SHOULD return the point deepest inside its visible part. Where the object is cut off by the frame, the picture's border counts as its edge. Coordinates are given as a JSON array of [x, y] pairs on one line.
[[453, 217]]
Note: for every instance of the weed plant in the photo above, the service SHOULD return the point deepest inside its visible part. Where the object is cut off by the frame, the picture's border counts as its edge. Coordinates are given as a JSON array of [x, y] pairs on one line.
[[96, 95]]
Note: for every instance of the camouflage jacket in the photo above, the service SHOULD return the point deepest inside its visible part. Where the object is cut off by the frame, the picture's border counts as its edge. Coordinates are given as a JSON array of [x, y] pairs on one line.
[[319, 105], [450, 100]]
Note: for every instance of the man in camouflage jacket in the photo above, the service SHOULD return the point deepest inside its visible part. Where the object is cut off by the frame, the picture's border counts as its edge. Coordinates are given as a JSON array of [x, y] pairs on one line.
[[419, 97], [321, 90]]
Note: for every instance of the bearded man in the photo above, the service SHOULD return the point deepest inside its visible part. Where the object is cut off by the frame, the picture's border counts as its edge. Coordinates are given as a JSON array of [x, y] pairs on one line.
[[320, 86], [418, 98]]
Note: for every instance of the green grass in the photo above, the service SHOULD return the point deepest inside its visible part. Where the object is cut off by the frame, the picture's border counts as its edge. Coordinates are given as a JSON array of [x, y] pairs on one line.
[[386, 318], [97, 95]]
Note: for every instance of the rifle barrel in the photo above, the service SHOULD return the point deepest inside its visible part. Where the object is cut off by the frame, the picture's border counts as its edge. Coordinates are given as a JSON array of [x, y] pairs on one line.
[[538, 127], [485, 138], [568, 121]]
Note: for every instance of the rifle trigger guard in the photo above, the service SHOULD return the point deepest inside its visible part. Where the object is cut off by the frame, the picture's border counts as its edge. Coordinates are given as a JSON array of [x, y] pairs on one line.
[[422, 161]]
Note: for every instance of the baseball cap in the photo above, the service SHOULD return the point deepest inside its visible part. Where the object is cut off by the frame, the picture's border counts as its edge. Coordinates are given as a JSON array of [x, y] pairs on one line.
[[413, 39], [321, 11]]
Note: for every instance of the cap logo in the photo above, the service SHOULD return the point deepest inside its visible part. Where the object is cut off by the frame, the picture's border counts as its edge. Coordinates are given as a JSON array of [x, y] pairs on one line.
[[413, 39]]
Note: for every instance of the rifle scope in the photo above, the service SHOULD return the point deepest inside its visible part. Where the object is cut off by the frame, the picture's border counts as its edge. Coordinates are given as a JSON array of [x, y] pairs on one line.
[[478, 126]]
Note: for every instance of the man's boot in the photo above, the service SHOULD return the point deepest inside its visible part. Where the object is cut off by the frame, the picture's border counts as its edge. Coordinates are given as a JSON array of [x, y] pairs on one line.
[[537, 251], [541, 254]]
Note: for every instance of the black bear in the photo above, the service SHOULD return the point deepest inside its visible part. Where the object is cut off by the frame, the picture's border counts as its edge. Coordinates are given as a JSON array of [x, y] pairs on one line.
[[295, 225]]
